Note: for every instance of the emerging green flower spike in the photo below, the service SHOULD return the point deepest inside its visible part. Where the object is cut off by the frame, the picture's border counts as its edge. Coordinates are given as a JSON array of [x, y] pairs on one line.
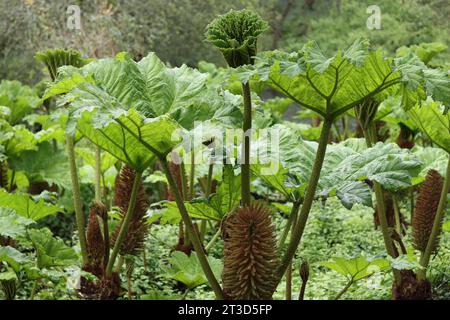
[[235, 34]]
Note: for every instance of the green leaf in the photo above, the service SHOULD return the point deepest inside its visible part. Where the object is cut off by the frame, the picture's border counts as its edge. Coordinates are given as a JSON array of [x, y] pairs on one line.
[[216, 206], [425, 51], [315, 58], [158, 295], [411, 70], [188, 270], [333, 85], [155, 177], [120, 83], [446, 226], [51, 251], [432, 121], [344, 79], [387, 164], [13, 257], [276, 180], [295, 159], [390, 110], [197, 208], [11, 224], [25, 206], [131, 138], [405, 262], [356, 268], [65, 85], [228, 195], [431, 158], [357, 52], [9, 275], [218, 107], [20, 99], [88, 155], [344, 170], [356, 144], [437, 83], [43, 164], [352, 192]]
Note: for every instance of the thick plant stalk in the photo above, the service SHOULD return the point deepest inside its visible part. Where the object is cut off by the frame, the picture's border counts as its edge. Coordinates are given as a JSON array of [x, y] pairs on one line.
[[370, 137], [398, 222], [425, 258], [192, 176], [98, 175], [77, 198], [208, 192], [184, 185], [213, 240], [287, 228], [344, 290], [192, 234], [289, 282], [247, 126], [308, 201], [235, 34], [126, 222], [98, 199]]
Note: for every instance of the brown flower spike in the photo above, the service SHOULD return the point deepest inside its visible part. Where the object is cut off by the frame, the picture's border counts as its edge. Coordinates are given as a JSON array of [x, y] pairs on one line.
[[250, 254], [426, 206], [134, 240], [94, 236]]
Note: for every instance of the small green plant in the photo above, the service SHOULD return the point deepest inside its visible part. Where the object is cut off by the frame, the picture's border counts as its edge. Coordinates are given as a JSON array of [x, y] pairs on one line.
[[355, 269], [188, 271]]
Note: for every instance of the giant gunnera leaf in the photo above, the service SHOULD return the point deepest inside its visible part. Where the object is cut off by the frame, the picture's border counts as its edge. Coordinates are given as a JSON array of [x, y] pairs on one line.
[[332, 85], [432, 119], [19, 99], [188, 270], [26, 206], [344, 171], [51, 251], [132, 109], [11, 224]]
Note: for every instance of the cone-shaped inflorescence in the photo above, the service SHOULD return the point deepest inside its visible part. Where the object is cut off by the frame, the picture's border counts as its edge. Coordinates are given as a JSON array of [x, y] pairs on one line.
[[250, 254], [235, 35], [55, 58], [137, 229], [426, 206], [3, 174], [94, 236]]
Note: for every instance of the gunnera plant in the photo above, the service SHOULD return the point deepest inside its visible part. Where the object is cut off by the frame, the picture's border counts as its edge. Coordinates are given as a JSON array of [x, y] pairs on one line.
[[135, 236], [54, 59], [250, 254], [426, 206], [235, 34]]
